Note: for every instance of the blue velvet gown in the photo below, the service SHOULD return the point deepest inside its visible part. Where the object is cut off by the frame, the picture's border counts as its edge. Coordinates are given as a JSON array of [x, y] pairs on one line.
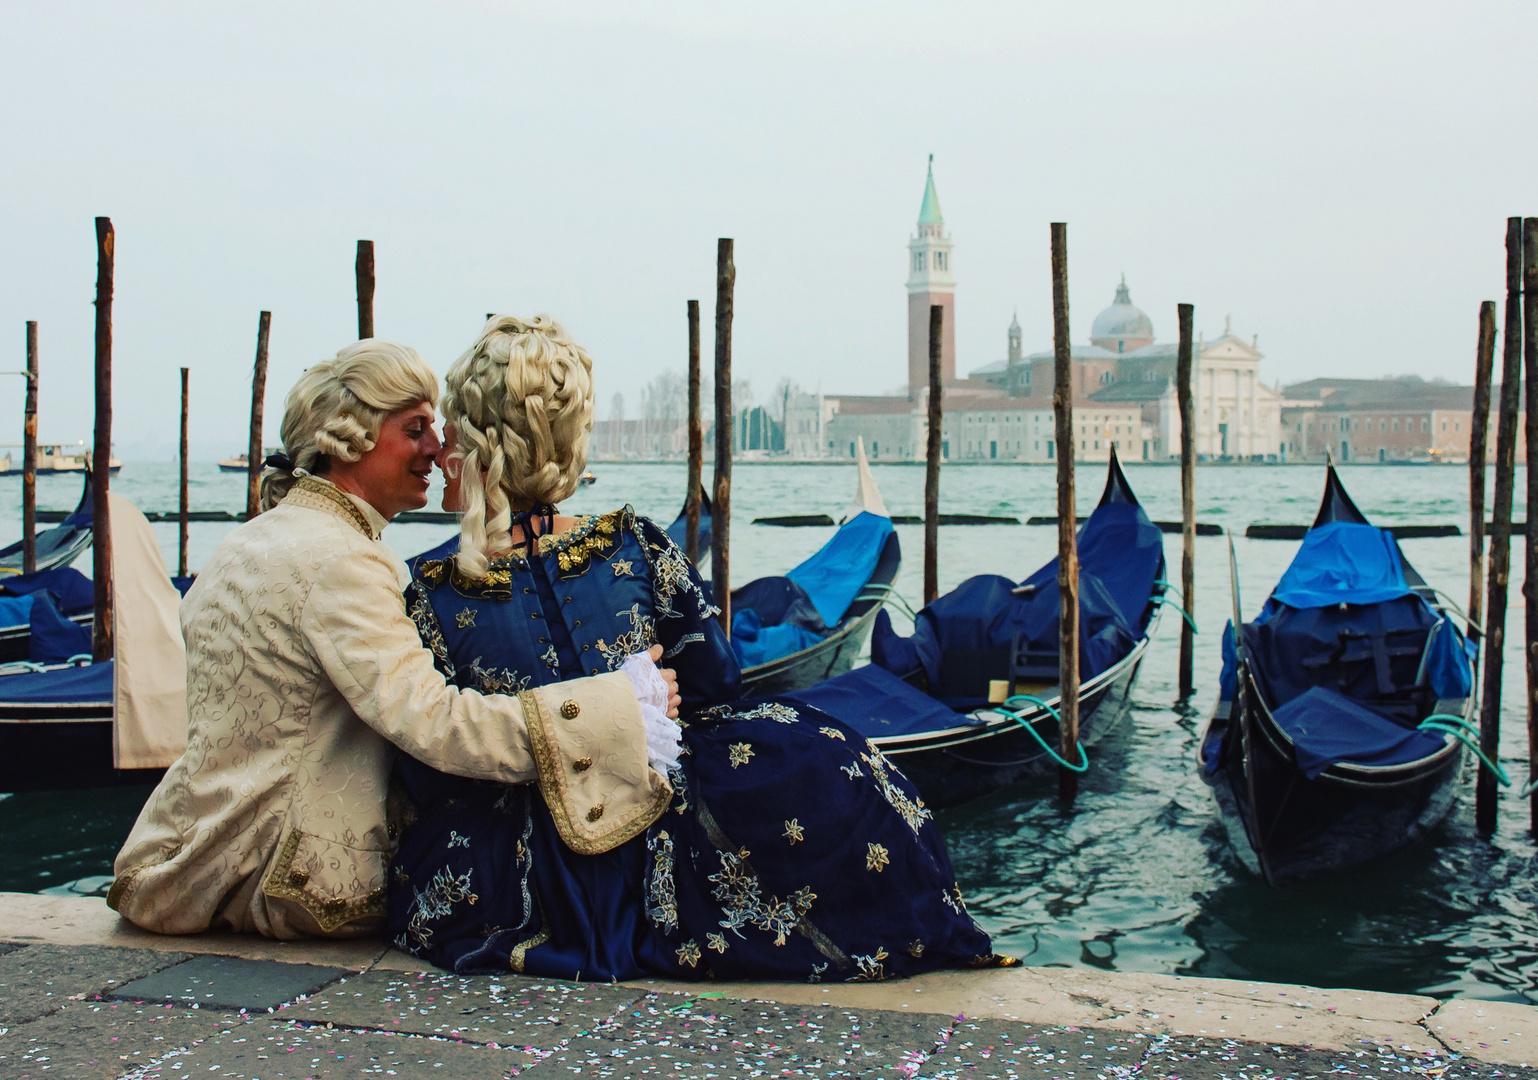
[[792, 848]]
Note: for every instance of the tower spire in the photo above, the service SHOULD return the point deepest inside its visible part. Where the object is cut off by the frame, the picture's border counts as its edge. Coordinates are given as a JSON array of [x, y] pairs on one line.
[[929, 213]]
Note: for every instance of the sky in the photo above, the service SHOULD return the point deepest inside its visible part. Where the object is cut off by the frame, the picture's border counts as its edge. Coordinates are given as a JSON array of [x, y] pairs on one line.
[[1333, 176]]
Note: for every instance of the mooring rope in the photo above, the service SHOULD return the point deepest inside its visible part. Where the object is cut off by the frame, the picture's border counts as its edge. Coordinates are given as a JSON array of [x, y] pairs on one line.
[[1468, 735], [1004, 710]]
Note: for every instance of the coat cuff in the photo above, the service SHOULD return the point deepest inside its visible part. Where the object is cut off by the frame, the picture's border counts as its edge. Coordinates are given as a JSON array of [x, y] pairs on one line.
[[589, 744]]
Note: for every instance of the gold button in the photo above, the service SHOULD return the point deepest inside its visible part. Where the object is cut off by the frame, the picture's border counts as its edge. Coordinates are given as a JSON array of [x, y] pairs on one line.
[[570, 709], [595, 813], [582, 764], [298, 878]]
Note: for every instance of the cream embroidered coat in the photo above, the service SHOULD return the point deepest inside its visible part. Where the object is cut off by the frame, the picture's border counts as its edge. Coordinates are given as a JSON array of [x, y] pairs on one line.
[[303, 675]]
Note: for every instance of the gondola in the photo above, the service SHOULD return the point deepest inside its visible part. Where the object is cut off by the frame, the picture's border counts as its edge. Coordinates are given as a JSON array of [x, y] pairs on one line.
[[67, 723], [1336, 737], [932, 703], [810, 625], [58, 546], [678, 531]]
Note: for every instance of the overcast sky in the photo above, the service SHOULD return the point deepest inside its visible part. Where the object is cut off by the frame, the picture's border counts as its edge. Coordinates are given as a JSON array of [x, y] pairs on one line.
[[1336, 176]]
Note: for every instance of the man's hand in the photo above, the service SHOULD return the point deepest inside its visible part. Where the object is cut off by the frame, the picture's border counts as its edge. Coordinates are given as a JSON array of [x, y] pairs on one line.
[[670, 677]]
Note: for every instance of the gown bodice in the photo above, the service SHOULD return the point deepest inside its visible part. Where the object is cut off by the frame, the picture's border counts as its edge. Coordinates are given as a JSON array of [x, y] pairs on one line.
[[573, 604]]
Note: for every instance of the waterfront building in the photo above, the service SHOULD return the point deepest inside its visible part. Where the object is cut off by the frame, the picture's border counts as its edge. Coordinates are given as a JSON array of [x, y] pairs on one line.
[[1384, 420], [1238, 417], [984, 420]]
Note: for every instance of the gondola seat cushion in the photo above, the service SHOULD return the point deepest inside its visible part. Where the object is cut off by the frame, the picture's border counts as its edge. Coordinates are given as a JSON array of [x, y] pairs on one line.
[[1327, 727]]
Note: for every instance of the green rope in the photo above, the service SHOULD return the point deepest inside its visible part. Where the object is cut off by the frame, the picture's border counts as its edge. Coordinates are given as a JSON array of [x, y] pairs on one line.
[[1002, 710], [895, 599], [1165, 602], [1467, 734], [1168, 587]]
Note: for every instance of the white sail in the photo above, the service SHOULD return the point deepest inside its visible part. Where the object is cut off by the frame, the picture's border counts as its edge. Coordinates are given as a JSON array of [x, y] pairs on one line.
[[867, 496]]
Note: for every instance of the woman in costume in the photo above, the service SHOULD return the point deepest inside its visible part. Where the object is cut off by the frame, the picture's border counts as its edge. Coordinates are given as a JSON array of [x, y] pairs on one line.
[[304, 675], [787, 847]]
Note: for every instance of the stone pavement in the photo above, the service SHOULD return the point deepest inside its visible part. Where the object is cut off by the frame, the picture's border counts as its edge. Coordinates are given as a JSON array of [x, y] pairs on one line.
[[83, 994]]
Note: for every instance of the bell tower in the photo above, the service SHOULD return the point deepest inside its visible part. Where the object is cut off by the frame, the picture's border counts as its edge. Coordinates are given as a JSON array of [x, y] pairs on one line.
[[1017, 377], [930, 282]]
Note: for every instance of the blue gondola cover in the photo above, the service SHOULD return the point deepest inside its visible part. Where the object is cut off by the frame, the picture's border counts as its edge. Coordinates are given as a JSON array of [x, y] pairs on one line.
[[1343, 563], [777, 616], [72, 591], [54, 639], [1121, 554], [90, 684], [878, 704], [15, 610]]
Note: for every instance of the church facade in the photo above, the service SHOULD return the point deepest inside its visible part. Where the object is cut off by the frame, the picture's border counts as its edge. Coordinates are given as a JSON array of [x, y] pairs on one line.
[[1123, 387]]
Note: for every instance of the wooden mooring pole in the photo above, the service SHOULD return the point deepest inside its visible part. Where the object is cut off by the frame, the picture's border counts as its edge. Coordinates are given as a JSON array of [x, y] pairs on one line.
[[1500, 531], [29, 458], [1479, 451], [101, 451], [932, 459], [363, 270], [696, 441], [183, 508], [1530, 579], [258, 403], [1187, 408], [726, 430], [1067, 541]]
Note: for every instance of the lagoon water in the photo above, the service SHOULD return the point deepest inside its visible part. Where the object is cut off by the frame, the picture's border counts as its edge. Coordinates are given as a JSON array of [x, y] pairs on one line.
[[1137, 875]]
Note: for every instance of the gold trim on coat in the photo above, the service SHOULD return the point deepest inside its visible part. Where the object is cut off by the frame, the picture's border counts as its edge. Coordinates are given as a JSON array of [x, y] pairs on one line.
[[330, 497], [329, 912], [552, 786]]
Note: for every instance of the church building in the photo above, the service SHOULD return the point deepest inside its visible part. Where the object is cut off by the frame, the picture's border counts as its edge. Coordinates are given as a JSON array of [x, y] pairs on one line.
[[1123, 387]]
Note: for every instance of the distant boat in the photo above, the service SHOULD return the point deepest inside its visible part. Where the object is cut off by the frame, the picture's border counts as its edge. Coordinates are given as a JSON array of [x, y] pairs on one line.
[[55, 458], [587, 479], [239, 463]]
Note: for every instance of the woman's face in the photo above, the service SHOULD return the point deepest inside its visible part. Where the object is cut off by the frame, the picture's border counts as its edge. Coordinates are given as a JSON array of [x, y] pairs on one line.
[[393, 477], [451, 469]]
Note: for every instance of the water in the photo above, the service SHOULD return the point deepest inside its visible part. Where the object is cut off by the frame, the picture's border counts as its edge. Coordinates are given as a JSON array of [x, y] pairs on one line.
[[1138, 875]]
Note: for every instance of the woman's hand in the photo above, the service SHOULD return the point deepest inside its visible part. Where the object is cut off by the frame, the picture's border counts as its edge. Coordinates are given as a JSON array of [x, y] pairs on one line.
[[656, 691], [670, 677]]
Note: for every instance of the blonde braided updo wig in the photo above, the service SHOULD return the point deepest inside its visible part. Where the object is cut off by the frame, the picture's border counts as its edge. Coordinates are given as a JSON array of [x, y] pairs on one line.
[[336, 408], [520, 402]]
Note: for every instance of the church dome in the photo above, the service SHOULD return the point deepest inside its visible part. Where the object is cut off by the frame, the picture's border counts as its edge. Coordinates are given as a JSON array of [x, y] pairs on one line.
[[1122, 327]]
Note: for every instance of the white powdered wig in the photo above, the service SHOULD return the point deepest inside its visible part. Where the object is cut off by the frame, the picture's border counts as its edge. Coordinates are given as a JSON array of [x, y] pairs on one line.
[[520, 402], [336, 408]]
